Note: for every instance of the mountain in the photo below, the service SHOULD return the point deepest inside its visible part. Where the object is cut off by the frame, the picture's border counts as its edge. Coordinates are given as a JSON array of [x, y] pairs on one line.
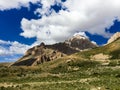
[[114, 37], [85, 70], [109, 51], [43, 53], [80, 42]]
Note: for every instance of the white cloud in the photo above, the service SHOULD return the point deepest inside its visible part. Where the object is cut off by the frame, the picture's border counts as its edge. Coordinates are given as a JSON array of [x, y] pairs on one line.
[[10, 4], [4, 42], [46, 8], [81, 33], [12, 48], [11, 58], [92, 16], [12, 51]]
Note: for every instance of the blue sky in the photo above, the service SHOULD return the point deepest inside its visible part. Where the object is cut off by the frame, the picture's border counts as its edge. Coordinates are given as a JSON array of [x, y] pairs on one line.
[[24, 24]]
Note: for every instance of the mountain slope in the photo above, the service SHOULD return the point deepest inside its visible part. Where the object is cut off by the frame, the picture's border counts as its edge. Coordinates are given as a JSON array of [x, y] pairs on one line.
[[114, 37], [43, 53], [112, 50]]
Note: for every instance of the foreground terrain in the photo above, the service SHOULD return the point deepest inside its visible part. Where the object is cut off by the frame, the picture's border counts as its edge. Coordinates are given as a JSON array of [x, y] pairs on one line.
[[62, 74], [93, 69]]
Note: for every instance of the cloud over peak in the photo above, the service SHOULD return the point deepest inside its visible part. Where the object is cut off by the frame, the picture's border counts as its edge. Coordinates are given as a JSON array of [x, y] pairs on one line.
[[75, 15], [92, 16]]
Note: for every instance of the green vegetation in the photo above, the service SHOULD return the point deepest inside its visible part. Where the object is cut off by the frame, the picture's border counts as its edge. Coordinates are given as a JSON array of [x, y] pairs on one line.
[[112, 49], [75, 72], [62, 74]]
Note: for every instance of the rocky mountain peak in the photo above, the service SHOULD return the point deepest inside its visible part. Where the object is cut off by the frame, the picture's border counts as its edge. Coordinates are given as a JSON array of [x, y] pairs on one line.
[[114, 37], [80, 42], [42, 44], [43, 53]]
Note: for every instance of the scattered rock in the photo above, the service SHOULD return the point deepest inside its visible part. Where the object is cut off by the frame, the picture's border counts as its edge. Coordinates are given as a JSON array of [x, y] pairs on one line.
[[100, 56]]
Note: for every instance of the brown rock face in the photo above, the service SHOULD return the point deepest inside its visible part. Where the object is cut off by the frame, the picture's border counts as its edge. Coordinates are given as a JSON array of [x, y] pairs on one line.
[[44, 53], [114, 37]]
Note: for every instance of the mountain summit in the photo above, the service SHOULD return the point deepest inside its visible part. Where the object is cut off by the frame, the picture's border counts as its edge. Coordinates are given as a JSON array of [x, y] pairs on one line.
[[80, 42], [43, 53]]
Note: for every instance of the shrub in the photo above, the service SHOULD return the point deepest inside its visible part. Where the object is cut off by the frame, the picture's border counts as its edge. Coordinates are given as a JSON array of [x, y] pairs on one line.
[[84, 63], [61, 68], [113, 63]]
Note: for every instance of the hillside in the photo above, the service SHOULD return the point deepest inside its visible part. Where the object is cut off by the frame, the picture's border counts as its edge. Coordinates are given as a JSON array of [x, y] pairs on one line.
[[114, 37], [111, 51], [43, 53], [66, 73]]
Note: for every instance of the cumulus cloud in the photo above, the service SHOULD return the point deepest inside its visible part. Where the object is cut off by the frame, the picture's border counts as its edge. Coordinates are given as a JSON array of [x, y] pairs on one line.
[[12, 48], [12, 51], [92, 16], [10, 4], [46, 7]]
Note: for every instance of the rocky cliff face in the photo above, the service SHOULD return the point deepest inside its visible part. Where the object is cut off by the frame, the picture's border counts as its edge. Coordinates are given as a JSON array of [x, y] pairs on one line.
[[43, 53], [114, 37]]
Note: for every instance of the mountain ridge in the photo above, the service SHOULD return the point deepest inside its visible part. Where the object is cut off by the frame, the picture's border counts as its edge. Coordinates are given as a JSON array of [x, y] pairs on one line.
[[114, 37], [43, 53], [75, 47]]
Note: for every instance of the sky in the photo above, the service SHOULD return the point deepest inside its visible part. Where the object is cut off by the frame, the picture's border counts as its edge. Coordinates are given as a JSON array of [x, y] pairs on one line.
[[26, 23]]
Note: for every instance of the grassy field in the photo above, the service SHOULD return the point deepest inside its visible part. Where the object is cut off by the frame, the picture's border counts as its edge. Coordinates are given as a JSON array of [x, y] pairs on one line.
[[62, 74]]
